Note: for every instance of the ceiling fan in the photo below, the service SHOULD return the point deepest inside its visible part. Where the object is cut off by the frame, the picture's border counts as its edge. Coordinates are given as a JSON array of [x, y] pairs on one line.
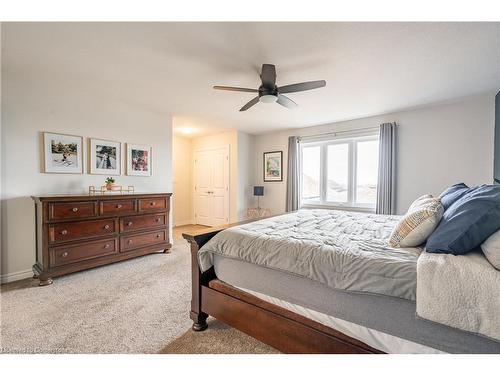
[[268, 92]]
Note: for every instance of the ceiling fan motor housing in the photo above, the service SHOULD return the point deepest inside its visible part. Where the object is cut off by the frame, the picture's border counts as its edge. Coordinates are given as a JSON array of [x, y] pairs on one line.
[[268, 95]]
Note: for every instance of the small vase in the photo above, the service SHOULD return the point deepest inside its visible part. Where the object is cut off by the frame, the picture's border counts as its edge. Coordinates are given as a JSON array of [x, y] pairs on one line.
[[109, 186]]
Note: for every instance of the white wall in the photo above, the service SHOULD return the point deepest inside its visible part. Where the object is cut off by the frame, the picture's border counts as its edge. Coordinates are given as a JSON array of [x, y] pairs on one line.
[[245, 172], [34, 101], [437, 146], [182, 155]]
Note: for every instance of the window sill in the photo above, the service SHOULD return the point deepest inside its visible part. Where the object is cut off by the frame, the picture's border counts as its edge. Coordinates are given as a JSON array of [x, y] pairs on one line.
[[342, 208]]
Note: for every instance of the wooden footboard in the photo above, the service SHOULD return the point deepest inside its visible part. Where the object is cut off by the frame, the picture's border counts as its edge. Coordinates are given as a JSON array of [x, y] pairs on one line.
[[280, 328]]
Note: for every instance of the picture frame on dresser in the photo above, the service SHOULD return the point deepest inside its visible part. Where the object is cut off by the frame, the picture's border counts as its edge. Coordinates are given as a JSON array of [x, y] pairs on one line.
[[105, 157], [62, 153], [139, 160]]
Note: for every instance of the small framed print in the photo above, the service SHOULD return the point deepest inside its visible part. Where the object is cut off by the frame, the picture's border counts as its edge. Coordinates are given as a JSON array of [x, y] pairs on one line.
[[273, 166], [105, 157], [139, 160], [63, 153]]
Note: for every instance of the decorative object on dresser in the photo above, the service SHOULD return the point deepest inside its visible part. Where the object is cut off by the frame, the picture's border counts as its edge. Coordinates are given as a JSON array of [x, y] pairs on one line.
[[110, 182], [115, 189], [273, 166], [78, 232]]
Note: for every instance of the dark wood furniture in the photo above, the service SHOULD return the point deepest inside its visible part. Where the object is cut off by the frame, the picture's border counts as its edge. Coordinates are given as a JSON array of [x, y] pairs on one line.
[[78, 232], [280, 328]]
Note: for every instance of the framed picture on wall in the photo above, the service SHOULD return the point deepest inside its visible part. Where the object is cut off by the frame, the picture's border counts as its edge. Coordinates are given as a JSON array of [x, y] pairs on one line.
[[139, 160], [273, 166], [105, 157], [63, 153]]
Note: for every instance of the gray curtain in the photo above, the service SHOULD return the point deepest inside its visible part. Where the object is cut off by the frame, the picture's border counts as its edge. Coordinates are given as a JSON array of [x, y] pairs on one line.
[[292, 184], [386, 189]]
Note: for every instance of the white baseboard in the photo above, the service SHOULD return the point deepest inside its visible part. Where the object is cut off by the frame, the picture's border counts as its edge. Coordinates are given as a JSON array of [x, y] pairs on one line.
[[183, 222], [16, 276]]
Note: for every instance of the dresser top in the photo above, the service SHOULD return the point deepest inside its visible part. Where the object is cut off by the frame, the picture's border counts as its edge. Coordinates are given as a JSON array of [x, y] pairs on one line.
[[100, 196]]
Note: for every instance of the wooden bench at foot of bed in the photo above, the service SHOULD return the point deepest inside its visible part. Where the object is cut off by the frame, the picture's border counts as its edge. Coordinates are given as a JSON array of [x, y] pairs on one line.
[[276, 326]]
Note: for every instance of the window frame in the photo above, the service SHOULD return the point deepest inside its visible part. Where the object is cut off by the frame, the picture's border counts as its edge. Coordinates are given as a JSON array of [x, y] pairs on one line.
[[352, 142]]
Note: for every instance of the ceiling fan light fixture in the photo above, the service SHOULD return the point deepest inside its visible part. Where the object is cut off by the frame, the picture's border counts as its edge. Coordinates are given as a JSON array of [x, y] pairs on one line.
[[268, 98], [268, 92]]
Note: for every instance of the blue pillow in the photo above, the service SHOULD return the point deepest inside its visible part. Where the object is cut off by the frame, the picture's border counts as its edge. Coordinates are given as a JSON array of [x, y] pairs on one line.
[[468, 222], [452, 194]]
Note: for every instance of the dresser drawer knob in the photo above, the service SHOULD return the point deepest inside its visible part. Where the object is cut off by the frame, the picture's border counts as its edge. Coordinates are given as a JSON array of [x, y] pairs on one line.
[[129, 242], [106, 226], [64, 232], [64, 255], [74, 209], [158, 235], [158, 219], [129, 224], [152, 203], [118, 206], [107, 246]]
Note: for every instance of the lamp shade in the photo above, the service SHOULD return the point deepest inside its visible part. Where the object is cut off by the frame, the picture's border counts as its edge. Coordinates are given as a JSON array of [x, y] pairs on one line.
[[258, 191]]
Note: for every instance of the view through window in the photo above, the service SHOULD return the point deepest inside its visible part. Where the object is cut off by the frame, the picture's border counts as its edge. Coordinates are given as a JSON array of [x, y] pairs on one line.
[[340, 172]]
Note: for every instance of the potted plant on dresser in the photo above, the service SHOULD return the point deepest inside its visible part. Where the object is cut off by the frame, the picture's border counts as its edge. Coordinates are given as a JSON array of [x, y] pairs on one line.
[[109, 183]]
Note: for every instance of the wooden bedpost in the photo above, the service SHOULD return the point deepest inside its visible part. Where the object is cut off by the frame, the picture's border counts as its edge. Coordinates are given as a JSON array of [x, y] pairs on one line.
[[196, 240]]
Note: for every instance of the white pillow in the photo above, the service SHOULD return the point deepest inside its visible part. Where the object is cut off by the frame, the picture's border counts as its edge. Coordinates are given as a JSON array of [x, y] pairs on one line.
[[419, 222], [491, 249]]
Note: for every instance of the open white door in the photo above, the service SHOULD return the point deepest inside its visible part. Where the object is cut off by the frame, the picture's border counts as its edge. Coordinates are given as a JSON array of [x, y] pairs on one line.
[[212, 186]]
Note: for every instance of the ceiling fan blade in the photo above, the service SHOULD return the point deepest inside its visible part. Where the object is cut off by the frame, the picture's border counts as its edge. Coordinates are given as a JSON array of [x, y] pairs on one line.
[[304, 86], [229, 88], [268, 76], [286, 101], [251, 103]]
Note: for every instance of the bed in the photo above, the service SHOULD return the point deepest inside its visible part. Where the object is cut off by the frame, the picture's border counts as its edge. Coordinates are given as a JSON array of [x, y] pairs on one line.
[[318, 281]]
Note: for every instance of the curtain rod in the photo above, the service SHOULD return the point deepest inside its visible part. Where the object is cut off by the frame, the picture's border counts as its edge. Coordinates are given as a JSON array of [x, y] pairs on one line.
[[338, 132]]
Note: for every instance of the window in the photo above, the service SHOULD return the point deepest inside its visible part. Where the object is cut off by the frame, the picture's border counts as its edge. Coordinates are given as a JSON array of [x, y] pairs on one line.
[[340, 172]]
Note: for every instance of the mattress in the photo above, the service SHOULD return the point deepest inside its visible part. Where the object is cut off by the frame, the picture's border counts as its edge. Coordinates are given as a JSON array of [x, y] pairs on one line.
[[339, 249], [384, 322]]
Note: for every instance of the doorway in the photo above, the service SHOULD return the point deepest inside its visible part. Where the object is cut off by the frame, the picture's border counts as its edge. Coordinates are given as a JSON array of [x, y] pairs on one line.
[[211, 186]]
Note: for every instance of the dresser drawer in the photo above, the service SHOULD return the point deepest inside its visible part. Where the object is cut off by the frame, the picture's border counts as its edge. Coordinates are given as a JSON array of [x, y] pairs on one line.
[[62, 232], [121, 207], [72, 210], [132, 223], [152, 204], [131, 242], [62, 255]]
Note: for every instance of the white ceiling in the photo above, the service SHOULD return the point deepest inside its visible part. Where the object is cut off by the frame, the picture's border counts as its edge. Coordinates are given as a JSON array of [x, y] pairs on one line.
[[370, 68]]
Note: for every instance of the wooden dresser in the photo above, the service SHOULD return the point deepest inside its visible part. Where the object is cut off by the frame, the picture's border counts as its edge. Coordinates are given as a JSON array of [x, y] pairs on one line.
[[77, 232]]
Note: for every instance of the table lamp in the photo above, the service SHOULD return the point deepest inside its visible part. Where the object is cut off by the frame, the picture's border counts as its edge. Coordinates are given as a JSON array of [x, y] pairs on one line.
[[258, 191]]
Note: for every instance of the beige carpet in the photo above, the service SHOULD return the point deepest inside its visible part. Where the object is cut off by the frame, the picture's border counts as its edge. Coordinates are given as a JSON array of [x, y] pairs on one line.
[[136, 306], [218, 338]]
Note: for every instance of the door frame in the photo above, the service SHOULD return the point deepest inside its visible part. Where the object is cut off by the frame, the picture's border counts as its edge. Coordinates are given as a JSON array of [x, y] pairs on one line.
[[227, 148]]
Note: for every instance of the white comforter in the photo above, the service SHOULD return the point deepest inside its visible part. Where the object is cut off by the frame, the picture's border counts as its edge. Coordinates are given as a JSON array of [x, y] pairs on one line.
[[459, 291], [341, 249]]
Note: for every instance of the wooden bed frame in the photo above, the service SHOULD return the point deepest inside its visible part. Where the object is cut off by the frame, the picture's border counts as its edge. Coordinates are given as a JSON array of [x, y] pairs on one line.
[[276, 326]]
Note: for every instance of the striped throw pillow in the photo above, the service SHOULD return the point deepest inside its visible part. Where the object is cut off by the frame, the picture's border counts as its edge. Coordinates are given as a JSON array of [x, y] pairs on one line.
[[419, 222]]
